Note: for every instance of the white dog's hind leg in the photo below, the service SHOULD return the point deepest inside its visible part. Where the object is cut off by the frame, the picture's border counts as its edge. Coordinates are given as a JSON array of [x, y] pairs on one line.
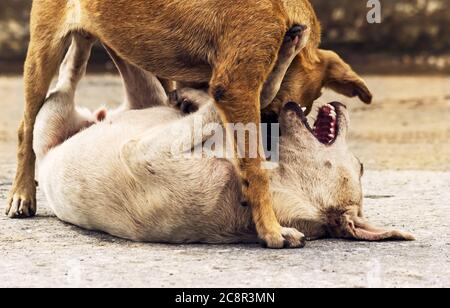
[[142, 89], [59, 118], [170, 141]]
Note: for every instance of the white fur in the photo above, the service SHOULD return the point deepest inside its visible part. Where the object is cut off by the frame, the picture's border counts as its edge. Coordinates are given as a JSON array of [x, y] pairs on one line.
[[74, 13]]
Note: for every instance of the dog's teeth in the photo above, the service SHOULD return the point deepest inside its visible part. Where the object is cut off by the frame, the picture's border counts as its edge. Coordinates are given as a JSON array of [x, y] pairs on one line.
[[304, 109], [326, 109]]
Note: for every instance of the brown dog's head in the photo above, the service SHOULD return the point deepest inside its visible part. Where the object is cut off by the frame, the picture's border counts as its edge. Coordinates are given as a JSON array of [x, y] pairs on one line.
[[304, 84], [317, 187]]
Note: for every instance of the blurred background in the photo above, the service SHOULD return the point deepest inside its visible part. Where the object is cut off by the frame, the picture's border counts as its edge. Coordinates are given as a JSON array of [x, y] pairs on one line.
[[405, 60], [413, 36]]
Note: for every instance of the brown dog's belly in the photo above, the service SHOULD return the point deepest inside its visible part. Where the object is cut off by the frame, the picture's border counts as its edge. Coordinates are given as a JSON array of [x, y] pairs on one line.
[[173, 64], [174, 39]]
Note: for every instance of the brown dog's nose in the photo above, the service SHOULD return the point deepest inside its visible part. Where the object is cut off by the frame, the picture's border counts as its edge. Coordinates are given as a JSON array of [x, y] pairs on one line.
[[296, 30]]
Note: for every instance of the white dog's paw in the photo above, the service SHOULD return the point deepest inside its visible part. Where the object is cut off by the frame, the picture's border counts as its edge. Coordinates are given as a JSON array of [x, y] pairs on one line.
[[189, 100], [184, 104], [287, 238]]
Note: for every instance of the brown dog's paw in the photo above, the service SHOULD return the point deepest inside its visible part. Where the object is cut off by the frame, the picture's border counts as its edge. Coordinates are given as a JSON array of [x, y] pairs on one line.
[[288, 238], [295, 40], [21, 203]]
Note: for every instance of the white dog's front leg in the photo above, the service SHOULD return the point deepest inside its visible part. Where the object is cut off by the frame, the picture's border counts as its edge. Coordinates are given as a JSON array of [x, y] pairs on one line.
[[59, 118], [169, 142], [142, 89]]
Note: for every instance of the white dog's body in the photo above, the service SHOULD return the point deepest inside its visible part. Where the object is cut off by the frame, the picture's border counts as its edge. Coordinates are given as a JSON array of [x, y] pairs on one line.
[[89, 183], [123, 177]]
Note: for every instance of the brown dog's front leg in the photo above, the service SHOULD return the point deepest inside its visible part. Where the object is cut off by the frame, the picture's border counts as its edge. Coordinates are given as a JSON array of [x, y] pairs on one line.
[[236, 86], [22, 197], [244, 109], [45, 53]]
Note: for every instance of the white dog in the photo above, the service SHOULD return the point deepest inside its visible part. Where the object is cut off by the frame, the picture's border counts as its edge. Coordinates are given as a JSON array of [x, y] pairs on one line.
[[122, 176]]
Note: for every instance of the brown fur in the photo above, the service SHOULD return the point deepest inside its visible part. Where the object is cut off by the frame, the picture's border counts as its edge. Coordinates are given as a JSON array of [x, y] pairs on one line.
[[304, 85], [231, 44]]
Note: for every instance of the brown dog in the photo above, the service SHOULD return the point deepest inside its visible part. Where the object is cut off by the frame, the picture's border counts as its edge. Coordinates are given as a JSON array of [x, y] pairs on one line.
[[233, 45], [303, 84]]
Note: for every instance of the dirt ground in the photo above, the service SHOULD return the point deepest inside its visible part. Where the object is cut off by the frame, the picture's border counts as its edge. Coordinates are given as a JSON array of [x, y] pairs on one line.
[[404, 140], [406, 128]]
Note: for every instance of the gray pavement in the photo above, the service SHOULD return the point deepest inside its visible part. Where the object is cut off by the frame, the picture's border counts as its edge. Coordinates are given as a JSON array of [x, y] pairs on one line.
[[44, 252]]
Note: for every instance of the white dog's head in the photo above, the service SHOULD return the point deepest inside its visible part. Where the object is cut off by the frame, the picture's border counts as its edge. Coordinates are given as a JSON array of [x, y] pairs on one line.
[[319, 178]]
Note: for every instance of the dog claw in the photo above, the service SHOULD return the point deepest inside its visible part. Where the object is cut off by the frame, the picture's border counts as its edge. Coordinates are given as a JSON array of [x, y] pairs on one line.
[[20, 206]]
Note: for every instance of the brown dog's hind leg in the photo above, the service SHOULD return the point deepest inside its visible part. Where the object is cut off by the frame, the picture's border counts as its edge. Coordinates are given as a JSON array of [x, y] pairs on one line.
[[236, 85], [294, 41]]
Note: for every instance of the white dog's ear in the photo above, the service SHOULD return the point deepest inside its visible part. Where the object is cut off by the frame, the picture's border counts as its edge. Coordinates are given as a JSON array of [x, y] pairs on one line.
[[362, 230], [340, 77]]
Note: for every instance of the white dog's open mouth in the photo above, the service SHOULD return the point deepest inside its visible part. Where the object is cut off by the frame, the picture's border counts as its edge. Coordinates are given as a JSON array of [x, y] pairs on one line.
[[326, 126], [326, 123]]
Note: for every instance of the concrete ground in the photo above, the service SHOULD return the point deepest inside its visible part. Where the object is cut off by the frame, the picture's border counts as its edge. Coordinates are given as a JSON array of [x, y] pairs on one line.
[[404, 140]]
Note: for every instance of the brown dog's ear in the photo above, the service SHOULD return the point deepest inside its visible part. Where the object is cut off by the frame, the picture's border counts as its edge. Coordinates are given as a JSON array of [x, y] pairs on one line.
[[340, 77], [361, 230]]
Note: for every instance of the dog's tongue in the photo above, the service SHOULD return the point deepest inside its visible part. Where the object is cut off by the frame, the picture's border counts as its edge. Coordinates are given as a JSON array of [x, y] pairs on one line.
[[325, 126]]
